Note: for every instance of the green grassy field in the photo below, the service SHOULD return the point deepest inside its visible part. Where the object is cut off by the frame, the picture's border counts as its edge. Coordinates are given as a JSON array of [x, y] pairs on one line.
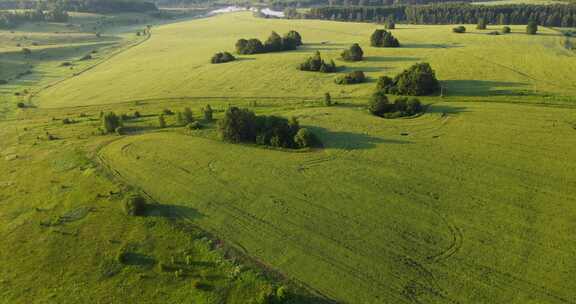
[[471, 202], [175, 63]]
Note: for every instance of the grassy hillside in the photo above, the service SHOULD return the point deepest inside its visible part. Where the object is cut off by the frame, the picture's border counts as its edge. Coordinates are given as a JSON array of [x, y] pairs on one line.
[[468, 203], [175, 63]]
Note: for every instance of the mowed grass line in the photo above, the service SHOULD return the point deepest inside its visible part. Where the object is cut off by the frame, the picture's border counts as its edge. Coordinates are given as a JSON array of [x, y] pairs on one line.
[[175, 63], [470, 205]]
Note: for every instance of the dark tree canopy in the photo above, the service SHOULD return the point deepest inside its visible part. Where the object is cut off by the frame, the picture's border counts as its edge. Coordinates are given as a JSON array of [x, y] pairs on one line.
[[274, 43], [506, 30], [110, 122], [383, 38], [222, 57], [380, 106], [317, 64], [243, 126], [481, 24], [354, 53], [417, 80]]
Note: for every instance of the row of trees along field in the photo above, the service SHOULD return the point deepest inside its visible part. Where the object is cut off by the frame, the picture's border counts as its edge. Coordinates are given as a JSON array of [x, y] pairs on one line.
[[563, 15], [91, 6], [10, 19], [278, 4], [274, 43]]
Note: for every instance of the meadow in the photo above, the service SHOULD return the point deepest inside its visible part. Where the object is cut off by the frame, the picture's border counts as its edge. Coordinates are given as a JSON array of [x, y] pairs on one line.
[[470, 202]]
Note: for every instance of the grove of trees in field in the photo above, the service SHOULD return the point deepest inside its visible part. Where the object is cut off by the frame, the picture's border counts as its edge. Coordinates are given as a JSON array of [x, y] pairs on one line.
[[419, 79], [383, 38], [351, 78], [354, 53], [243, 126], [274, 43], [317, 64]]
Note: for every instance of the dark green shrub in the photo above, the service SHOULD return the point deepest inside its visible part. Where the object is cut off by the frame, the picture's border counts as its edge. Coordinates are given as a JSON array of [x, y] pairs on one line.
[[135, 205], [317, 64], [532, 28], [417, 80], [238, 125], [383, 38], [506, 30], [187, 115], [327, 99], [274, 43], [222, 57], [354, 53], [304, 138], [378, 103], [208, 113], [110, 121], [21, 105], [494, 33], [293, 37], [137, 114], [67, 121], [161, 121], [194, 125], [251, 46], [459, 29], [351, 78]]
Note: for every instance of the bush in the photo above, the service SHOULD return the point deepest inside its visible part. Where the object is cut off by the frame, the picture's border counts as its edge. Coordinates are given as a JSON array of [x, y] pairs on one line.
[[378, 103], [506, 30], [194, 126], [110, 121], [187, 116], [67, 121], [161, 121], [389, 24], [317, 64], [327, 99], [417, 80], [351, 78], [459, 29], [135, 205], [383, 38], [137, 114], [494, 33], [21, 105], [532, 28], [208, 113], [251, 46], [222, 57], [354, 53], [304, 138]]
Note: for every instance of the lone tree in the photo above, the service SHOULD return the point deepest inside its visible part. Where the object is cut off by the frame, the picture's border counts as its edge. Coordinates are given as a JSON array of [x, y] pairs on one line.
[[389, 23], [383, 38], [294, 36], [481, 24], [378, 103], [506, 30], [417, 80], [354, 53], [135, 205], [327, 99], [532, 27]]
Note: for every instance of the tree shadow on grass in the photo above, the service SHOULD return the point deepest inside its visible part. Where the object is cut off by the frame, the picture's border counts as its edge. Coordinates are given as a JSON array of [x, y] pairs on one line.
[[484, 88], [429, 46], [138, 259], [349, 140], [445, 109], [390, 59], [173, 211]]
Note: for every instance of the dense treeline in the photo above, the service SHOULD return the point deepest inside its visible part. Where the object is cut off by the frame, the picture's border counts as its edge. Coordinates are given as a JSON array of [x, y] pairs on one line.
[[9, 19], [243, 126], [274, 43], [311, 3], [563, 15]]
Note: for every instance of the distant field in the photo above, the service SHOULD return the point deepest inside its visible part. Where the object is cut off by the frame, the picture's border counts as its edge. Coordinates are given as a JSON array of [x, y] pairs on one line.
[[473, 204], [175, 63]]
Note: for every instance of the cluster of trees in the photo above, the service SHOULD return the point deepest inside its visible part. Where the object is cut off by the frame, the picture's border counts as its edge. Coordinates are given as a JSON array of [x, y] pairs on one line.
[[561, 15], [274, 43], [417, 80], [459, 29], [243, 126], [10, 19], [280, 4], [222, 57], [351, 78], [402, 106], [383, 38], [354, 53], [107, 6], [317, 64], [110, 122]]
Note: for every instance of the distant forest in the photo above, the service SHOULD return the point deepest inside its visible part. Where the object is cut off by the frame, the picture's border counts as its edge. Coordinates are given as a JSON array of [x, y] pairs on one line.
[[90, 6], [563, 15]]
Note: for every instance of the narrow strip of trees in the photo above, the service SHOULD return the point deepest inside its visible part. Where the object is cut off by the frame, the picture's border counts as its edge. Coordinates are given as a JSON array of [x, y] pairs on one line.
[[274, 43]]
